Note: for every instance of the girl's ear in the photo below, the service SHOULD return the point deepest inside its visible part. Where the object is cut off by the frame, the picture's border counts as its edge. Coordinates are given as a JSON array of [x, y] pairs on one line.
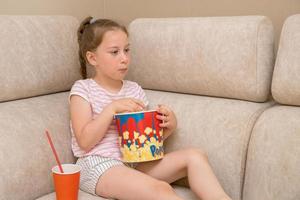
[[91, 58]]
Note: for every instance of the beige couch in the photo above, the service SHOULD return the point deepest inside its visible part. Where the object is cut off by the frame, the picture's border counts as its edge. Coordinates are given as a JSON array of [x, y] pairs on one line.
[[215, 72]]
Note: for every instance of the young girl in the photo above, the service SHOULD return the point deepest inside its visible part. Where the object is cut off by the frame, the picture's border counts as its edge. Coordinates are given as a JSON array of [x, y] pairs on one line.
[[103, 44]]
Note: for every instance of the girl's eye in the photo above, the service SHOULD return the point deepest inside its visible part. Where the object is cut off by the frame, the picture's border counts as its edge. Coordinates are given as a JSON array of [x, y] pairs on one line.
[[127, 50], [114, 52]]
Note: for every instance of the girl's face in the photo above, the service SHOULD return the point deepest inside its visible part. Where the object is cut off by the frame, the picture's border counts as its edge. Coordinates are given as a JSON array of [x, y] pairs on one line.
[[111, 58]]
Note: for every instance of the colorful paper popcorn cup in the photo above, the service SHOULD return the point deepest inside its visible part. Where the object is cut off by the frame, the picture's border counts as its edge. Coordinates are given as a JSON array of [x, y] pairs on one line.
[[140, 137]]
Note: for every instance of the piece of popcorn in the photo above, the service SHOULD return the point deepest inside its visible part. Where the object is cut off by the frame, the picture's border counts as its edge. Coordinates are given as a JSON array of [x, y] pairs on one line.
[[148, 130], [136, 134], [142, 138], [152, 139], [126, 135]]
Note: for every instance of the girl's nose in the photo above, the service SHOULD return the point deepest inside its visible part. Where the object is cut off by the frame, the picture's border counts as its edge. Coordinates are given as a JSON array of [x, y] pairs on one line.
[[124, 57]]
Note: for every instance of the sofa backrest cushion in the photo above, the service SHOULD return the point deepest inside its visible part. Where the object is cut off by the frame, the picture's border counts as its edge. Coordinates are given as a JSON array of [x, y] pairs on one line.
[[38, 55], [217, 56], [286, 77]]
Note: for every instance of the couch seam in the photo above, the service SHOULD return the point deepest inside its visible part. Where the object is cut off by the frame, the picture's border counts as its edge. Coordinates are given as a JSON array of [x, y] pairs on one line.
[[264, 19], [256, 60], [277, 61], [258, 113]]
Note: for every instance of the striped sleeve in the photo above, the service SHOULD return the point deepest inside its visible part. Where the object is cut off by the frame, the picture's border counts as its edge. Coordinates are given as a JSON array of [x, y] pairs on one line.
[[80, 88], [142, 95]]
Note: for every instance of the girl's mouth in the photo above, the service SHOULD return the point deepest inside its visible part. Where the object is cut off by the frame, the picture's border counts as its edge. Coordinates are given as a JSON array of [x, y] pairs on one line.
[[123, 70]]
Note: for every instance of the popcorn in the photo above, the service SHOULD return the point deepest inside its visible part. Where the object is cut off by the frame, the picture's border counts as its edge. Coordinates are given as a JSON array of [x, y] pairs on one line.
[[142, 138], [152, 139], [126, 135], [148, 130], [136, 135], [150, 150]]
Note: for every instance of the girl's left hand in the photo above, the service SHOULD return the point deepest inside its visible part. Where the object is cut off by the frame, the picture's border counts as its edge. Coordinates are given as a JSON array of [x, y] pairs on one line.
[[168, 118]]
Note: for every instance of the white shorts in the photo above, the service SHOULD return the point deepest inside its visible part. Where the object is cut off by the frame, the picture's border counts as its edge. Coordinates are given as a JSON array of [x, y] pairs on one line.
[[92, 167]]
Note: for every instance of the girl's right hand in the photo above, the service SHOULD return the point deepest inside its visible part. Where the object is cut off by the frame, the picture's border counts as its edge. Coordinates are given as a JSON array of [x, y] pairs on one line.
[[126, 105]]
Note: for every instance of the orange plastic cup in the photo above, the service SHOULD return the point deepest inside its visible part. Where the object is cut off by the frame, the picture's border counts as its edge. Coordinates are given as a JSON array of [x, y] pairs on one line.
[[66, 184]]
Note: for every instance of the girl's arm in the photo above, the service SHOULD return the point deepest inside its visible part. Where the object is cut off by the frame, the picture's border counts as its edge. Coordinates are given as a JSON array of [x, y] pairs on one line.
[[88, 131]]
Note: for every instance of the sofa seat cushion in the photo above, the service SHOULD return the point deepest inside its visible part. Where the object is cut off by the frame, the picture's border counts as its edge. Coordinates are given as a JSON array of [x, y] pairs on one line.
[[273, 171], [220, 126], [81, 196], [186, 193], [26, 157]]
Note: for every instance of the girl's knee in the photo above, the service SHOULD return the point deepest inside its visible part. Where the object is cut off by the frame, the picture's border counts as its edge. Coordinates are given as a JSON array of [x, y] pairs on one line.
[[161, 189], [196, 154]]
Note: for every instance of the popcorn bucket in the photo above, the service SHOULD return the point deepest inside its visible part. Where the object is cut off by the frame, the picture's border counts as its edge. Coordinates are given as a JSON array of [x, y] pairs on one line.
[[140, 137]]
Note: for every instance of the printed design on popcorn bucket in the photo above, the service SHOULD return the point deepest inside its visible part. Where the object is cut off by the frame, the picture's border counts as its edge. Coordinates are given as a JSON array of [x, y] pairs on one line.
[[140, 137]]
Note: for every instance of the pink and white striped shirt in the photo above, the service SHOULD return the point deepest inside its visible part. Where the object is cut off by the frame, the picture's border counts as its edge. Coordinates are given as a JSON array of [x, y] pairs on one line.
[[98, 98]]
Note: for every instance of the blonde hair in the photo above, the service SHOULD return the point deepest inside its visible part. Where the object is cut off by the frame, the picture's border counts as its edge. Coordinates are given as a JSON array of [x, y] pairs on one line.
[[90, 35]]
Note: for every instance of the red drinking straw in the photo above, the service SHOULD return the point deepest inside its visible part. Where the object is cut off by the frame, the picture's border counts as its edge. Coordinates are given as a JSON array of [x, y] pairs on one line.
[[54, 151]]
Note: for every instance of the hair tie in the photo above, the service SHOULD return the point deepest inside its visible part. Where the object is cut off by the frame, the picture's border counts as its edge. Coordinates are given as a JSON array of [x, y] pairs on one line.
[[93, 21]]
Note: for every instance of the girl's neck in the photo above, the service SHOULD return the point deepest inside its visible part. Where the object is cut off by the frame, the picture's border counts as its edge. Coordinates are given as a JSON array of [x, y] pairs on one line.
[[113, 86]]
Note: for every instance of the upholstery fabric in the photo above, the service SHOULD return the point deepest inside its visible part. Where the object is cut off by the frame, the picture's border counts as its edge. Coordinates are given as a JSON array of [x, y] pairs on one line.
[[181, 191], [38, 55], [273, 171], [286, 76], [81, 196], [220, 127], [24, 144], [216, 56]]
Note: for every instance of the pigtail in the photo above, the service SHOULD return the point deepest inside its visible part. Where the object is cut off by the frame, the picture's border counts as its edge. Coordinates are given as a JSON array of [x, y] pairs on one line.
[[82, 66], [82, 60], [82, 27]]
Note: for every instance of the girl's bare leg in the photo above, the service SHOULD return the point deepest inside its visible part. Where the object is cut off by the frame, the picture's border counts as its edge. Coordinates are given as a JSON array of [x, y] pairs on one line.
[[188, 162], [124, 183]]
